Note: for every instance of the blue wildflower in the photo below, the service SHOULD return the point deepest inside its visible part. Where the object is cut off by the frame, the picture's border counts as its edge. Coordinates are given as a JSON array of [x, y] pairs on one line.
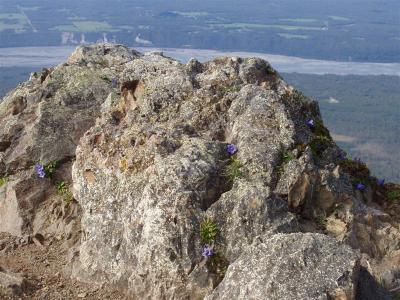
[[381, 182], [114, 82], [207, 251], [310, 123], [40, 170], [232, 149], [360, 186]]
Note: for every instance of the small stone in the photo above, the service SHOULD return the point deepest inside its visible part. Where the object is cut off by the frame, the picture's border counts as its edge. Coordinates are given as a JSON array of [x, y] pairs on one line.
[[13, 283], [37, 242], [82, 295]]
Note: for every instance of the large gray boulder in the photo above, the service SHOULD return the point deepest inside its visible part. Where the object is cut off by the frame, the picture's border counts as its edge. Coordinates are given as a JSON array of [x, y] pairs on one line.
[[292, 266], [144, 141], [43, 119], [155, 166], [152, 169]]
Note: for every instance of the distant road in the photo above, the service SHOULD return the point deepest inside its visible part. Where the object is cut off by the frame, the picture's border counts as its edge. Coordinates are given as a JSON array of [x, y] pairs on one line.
[[48, 56]]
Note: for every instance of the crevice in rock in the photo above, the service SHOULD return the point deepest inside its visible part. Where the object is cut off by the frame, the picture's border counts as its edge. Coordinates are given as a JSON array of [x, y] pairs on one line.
[[117, 116], [44, 74], [129, 86], [4, 145], [18, 106], [217, 265], [215, 187], [369, 289]]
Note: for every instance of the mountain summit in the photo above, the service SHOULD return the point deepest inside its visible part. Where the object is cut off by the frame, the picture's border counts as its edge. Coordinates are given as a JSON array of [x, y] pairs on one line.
[[190, 181]]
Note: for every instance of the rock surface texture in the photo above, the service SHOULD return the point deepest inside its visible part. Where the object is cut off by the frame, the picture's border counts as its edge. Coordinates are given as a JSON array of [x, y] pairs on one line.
[[292, 266], [155, 181]]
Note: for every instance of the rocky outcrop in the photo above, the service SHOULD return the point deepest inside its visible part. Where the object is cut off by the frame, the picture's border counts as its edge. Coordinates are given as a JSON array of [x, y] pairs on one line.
[[195, 181], [42, 121], [292, 266]]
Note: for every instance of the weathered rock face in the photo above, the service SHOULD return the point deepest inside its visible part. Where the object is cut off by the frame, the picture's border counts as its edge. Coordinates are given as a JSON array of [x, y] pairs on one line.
[[155, 182], [151, 170], [292, 266], [42, 120], [155, 166]]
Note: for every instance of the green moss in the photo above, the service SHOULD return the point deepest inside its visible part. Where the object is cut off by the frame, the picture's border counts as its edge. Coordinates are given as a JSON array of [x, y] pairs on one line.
[[3, 180], [286, 157], [319, 144], [230, 89], [321, 131], [393, 195], [299, 96], [233, 170], [208, 231], [321, 220], [322, 138], [357, 170]]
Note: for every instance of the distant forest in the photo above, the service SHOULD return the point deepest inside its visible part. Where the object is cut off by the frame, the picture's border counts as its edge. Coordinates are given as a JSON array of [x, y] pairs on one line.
[[364, 114], [359, 30]]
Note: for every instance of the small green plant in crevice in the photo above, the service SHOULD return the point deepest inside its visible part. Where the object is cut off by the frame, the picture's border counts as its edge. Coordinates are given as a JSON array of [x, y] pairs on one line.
[[51, 168], [3, 180], [321, 131], [285, 157], [230, 89], [64, 192], [322, 138], [208, 231], [357, 170], [233, 170], [321, 220], [319, 144], [46, 170], [306, 103], [214, 261], [393, 195]]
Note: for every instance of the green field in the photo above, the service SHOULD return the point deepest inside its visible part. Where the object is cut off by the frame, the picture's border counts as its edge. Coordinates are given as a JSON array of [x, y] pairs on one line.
[[299, 20], [294, 36], [86, 26], [13, 21], [192, 14], [264, 26], [339, 18]]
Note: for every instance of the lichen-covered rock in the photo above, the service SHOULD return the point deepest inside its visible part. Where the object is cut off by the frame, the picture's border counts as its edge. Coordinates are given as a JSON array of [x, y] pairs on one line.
[[292, 266], [156, 165], [43, 119], [153, 168]]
